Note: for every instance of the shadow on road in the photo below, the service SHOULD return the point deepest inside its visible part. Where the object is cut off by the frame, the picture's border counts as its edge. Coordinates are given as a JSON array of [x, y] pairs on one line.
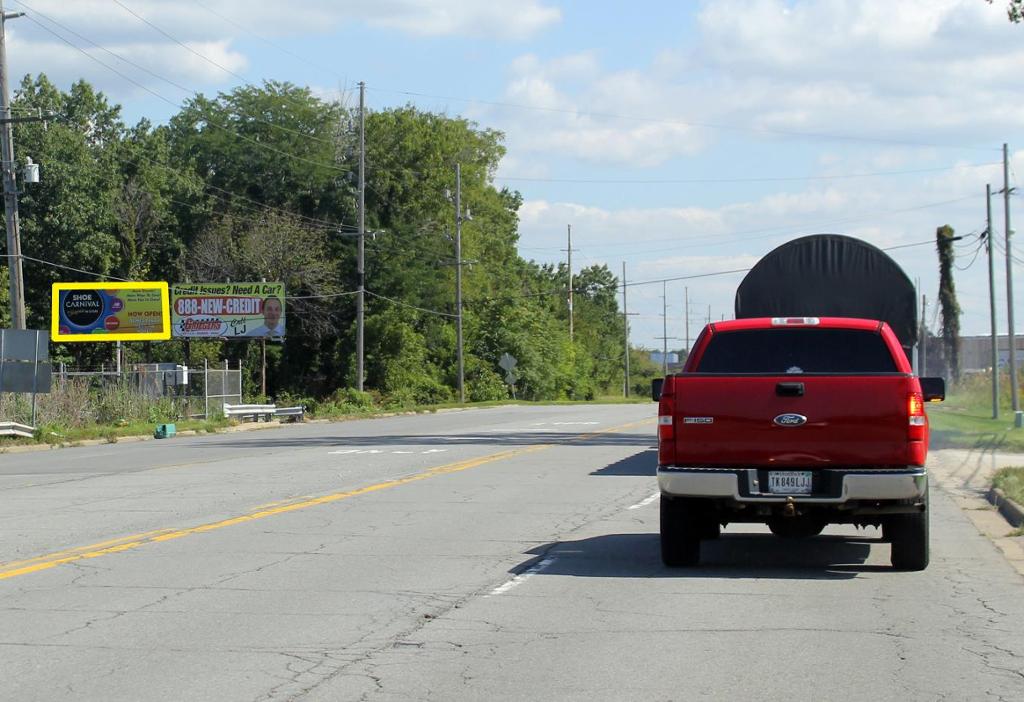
[[760, 556], [532, 438], [640, 464]]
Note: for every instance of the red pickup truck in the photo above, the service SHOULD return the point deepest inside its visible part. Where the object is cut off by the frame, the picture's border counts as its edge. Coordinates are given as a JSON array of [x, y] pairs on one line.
[[795, 422]]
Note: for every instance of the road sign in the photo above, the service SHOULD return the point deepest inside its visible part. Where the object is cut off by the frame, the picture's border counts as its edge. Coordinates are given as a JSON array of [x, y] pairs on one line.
[[507, 362]]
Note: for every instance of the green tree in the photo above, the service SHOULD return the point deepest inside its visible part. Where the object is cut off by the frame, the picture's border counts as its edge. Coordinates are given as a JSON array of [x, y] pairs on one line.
[[278, 248], [1014, 10], [947, 301]]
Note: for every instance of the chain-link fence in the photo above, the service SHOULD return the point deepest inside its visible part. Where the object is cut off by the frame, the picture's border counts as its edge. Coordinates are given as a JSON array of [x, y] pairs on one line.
[[142, 392], [221, 386]]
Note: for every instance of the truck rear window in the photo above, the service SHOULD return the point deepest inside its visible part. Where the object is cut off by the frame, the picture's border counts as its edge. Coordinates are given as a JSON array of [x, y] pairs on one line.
[[795, 351]]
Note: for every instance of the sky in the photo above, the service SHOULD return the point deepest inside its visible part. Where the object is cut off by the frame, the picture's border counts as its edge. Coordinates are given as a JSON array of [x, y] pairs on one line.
[[676, 138]]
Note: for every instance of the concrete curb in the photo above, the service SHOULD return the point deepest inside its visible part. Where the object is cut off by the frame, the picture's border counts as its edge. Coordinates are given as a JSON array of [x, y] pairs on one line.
[[1011, 511], [252, 426]]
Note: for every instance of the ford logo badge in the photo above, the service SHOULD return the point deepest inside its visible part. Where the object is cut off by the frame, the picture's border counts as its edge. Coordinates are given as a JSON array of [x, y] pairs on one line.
[[790, 420]]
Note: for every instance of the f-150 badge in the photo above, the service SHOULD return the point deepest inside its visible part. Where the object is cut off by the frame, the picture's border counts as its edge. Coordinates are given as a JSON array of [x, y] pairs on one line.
[[790, 420], [698, 420]]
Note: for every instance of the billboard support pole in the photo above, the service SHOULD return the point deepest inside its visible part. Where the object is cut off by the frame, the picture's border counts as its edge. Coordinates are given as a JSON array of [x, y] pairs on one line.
[[206, 389], [35, 377]]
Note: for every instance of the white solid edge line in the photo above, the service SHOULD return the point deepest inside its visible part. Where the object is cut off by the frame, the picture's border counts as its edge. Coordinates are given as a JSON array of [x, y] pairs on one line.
[[644, 503], [522, 577]]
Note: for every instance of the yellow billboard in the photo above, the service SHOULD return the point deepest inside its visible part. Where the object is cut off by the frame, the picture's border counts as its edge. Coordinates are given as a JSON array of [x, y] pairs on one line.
[[110, 312]]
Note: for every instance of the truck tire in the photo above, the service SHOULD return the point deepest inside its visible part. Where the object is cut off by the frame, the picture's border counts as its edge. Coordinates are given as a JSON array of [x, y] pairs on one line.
[[796, 527], [908, 534], [710, 529], [680, 534]]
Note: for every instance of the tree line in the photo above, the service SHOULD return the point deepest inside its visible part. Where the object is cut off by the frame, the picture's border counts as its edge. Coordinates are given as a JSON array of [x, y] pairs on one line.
[[260, 183]]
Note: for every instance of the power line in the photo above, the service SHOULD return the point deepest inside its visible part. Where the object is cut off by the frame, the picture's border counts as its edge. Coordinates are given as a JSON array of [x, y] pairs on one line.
[[229, 197], [159, 96], [974, 258], [764, 179], [413, 307], [680, 122], [310, 220], [739, 236], [262, 38], [105, 276]]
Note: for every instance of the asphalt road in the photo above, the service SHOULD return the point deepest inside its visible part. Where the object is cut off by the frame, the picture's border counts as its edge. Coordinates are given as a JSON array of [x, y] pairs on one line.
[[508, 553]]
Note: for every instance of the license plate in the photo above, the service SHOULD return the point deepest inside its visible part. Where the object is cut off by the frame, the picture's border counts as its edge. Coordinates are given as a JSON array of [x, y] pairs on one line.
[[790, 482]]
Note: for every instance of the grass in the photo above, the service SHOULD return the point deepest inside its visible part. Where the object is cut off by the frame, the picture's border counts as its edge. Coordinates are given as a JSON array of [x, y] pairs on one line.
[[965, 420], [60, 436], [1011, 481]]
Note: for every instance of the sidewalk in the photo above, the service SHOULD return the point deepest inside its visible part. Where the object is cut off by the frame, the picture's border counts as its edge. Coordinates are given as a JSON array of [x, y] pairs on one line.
[[966, 475]]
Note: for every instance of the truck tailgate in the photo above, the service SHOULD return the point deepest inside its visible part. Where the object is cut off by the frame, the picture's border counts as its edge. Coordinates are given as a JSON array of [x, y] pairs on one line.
[[850, 421]]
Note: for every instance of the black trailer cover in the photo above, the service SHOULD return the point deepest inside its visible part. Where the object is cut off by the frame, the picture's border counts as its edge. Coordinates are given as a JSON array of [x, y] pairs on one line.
[[830, 275]]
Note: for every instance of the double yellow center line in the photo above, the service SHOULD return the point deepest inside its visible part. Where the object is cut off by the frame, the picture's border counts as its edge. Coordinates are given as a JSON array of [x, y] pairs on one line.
[[51, 560]]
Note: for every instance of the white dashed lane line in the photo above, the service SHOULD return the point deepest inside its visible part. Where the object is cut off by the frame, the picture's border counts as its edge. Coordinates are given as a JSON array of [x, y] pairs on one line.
[[645, 502], [522, 577]]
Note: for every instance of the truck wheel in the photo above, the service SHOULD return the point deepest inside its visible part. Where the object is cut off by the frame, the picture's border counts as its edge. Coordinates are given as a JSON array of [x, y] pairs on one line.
[[680, 534], [710, 529], [909, 536], [796, 527]]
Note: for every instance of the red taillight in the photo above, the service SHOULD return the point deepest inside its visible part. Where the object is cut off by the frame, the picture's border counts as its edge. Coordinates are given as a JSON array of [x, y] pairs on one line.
[[915, 403], [917, 430], [666, 423]]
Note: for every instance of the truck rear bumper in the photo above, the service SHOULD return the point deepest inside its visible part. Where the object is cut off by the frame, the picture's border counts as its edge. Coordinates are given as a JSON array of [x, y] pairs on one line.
[[832, 486]]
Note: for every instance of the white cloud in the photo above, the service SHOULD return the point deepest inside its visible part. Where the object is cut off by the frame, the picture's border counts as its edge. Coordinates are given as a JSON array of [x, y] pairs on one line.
[[914, 72], [872, 67], [665, 242], [568, 106], [518, 20], [148, 32], [211, 18]]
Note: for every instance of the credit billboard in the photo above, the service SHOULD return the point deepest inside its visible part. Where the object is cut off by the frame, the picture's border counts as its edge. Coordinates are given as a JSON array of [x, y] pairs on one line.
[[110, 312], [231, 310]]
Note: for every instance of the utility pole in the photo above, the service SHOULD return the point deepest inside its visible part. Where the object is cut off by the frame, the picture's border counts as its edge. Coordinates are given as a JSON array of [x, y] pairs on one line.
[[458, 278], [569, 250], [625, 326], [686, 301], [923, 361], [992, 301], [360, 299], [665, 330], [1009, 290], [14, 271], [709, 314]]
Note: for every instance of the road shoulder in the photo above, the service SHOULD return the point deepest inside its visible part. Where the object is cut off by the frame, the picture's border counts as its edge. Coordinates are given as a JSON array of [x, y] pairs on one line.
[[966, 475]]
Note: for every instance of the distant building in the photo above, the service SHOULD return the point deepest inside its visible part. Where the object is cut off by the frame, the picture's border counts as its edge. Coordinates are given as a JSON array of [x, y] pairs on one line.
[[976, 352]]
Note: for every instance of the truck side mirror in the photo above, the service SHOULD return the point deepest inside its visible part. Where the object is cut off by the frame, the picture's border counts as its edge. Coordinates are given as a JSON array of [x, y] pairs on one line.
[[933, 389], [656, 384]]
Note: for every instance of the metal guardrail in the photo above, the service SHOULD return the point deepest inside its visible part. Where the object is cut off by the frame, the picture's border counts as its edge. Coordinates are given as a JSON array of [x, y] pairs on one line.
[[255, 411], [16, 429], [296, 413]]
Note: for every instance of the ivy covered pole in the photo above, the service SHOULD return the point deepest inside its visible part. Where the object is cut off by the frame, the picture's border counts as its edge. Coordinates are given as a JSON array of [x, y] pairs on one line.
[[947, 301]]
